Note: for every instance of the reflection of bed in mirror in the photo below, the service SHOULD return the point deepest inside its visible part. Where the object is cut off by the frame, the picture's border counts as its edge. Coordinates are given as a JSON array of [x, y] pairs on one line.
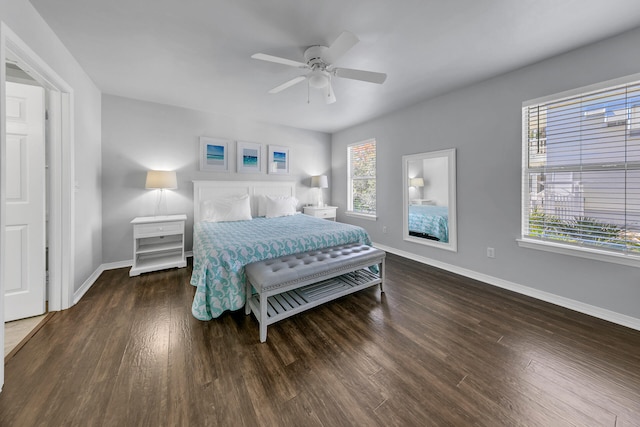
[[429, 197], [429, 222]]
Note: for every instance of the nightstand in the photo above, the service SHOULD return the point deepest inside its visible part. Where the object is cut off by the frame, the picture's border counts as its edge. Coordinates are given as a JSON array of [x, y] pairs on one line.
[[326, 212], [421, 202], [158, 243]]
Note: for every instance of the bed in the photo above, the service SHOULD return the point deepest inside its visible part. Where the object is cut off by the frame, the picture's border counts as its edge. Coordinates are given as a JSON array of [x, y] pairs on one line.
[[222, 249], [428, 221]]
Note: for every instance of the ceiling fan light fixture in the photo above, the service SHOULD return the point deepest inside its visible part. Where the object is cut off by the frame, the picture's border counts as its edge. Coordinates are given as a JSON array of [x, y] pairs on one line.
[[318, 79]]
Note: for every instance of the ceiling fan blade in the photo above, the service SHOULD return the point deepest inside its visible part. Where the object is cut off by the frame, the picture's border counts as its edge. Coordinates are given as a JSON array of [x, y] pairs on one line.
[[288, 84], [340, 46], [366, 76], [329, 94], [278, 60]]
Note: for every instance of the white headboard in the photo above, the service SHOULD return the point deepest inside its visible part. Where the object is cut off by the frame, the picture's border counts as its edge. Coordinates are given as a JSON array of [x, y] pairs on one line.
[[211, 190]]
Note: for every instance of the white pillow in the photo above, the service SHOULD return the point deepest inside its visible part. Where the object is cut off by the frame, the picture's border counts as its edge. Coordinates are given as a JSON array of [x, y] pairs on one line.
[[228, 209], [281, 206], [206, 210]]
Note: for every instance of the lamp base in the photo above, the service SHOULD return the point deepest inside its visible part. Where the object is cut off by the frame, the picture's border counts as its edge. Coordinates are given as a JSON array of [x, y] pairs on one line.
[[161, 204]]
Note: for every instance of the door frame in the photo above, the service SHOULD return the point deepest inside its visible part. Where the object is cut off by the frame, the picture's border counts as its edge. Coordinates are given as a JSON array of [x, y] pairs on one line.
[[60, 140]]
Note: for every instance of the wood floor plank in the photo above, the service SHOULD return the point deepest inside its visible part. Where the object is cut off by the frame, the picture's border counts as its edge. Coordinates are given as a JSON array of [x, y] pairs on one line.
[[609, 397], [435, 349]]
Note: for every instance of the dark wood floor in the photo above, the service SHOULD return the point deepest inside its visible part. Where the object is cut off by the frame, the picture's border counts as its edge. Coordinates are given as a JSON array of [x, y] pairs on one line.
[[435, 350]]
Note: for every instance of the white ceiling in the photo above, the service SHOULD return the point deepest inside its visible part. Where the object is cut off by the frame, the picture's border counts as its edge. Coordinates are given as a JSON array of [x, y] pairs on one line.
[[196, 53]]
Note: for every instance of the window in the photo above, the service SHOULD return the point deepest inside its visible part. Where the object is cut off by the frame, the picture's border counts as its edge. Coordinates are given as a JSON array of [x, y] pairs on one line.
[[362, 178], [581, 172]]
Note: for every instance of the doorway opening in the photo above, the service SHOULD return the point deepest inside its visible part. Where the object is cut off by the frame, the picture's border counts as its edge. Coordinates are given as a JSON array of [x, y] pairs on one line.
[[26, 267], [60, 172]]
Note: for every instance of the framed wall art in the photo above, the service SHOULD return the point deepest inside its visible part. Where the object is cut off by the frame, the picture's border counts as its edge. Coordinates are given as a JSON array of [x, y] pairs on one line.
[[214, 154], [249, 157], [278, 160]]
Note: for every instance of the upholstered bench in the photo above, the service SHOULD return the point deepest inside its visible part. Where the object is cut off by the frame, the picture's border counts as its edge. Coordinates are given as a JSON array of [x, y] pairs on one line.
[[290, 284]]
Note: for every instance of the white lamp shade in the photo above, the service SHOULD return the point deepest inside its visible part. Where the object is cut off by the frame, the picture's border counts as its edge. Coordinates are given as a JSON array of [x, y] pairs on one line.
[[318, 79], [320, 181], [416, 182], [161, 179]]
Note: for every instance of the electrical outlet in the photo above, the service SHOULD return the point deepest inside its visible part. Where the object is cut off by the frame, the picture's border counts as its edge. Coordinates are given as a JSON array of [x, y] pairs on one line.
[[491, 252], [384, 228]]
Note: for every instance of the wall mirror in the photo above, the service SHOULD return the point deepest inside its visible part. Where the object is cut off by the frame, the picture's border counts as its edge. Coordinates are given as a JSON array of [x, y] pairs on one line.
[[429, 190]]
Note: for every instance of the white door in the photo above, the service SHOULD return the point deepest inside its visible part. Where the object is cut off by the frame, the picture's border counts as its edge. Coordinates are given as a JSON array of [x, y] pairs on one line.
[[24, 274]]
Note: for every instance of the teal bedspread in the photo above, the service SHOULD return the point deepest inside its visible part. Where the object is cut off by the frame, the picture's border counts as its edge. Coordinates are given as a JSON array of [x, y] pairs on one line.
[[221, 250], [431, 220]]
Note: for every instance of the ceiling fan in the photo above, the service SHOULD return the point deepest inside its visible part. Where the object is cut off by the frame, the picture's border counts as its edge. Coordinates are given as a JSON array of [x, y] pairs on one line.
[[320, 60]]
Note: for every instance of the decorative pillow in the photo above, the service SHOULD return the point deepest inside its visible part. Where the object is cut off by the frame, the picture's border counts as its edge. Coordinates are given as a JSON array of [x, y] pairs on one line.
[[206, 210], [281, 206], [228, 209]]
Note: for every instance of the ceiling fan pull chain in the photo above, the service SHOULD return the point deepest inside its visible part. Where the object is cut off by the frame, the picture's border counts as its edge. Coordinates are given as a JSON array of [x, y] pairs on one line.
[[308, 93]]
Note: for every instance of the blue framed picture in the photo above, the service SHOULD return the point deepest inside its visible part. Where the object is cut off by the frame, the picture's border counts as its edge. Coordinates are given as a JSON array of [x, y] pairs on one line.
[[278, 160], [249, 156], [214, 154]]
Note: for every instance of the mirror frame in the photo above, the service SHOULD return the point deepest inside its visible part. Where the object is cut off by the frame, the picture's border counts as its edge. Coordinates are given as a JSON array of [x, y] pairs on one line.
[[450, 155]]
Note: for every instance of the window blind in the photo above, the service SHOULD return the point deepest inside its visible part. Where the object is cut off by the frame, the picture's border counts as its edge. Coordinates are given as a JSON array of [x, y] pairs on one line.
[[362, 177], [581, 170]]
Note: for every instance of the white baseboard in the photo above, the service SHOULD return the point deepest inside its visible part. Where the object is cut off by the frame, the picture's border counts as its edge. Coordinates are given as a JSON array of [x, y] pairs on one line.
[[591, 310], [77, 295], [116, 265]]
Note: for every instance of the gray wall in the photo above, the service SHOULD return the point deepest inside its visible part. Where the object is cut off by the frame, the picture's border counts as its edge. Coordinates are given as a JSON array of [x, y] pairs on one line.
[[22, 18], [483, 122], [138, 136]]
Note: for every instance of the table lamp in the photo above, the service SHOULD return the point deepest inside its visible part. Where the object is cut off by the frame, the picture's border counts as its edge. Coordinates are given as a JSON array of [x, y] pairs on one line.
[[320, 182], [161, 180]]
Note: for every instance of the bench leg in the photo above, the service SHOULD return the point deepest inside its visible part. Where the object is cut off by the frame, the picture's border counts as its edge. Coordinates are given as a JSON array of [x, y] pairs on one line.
[[263, 318], [381, 267], [247, 306]]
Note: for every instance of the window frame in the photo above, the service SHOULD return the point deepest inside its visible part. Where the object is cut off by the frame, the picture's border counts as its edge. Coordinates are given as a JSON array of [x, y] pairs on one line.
[[557, 246], [350, 211]]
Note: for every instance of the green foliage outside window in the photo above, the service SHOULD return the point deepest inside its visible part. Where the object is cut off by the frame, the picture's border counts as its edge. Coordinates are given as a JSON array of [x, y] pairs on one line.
[[362, 164], [582, 229], [364, 196]]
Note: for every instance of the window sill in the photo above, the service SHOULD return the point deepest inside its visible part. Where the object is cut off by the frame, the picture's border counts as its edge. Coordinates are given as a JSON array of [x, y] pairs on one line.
[[596, 254], [369, 217]]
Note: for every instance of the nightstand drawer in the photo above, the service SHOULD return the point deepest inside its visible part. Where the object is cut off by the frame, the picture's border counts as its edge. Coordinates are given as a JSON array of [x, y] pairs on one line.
[[325, 213], [421, 202], [158, 229]]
